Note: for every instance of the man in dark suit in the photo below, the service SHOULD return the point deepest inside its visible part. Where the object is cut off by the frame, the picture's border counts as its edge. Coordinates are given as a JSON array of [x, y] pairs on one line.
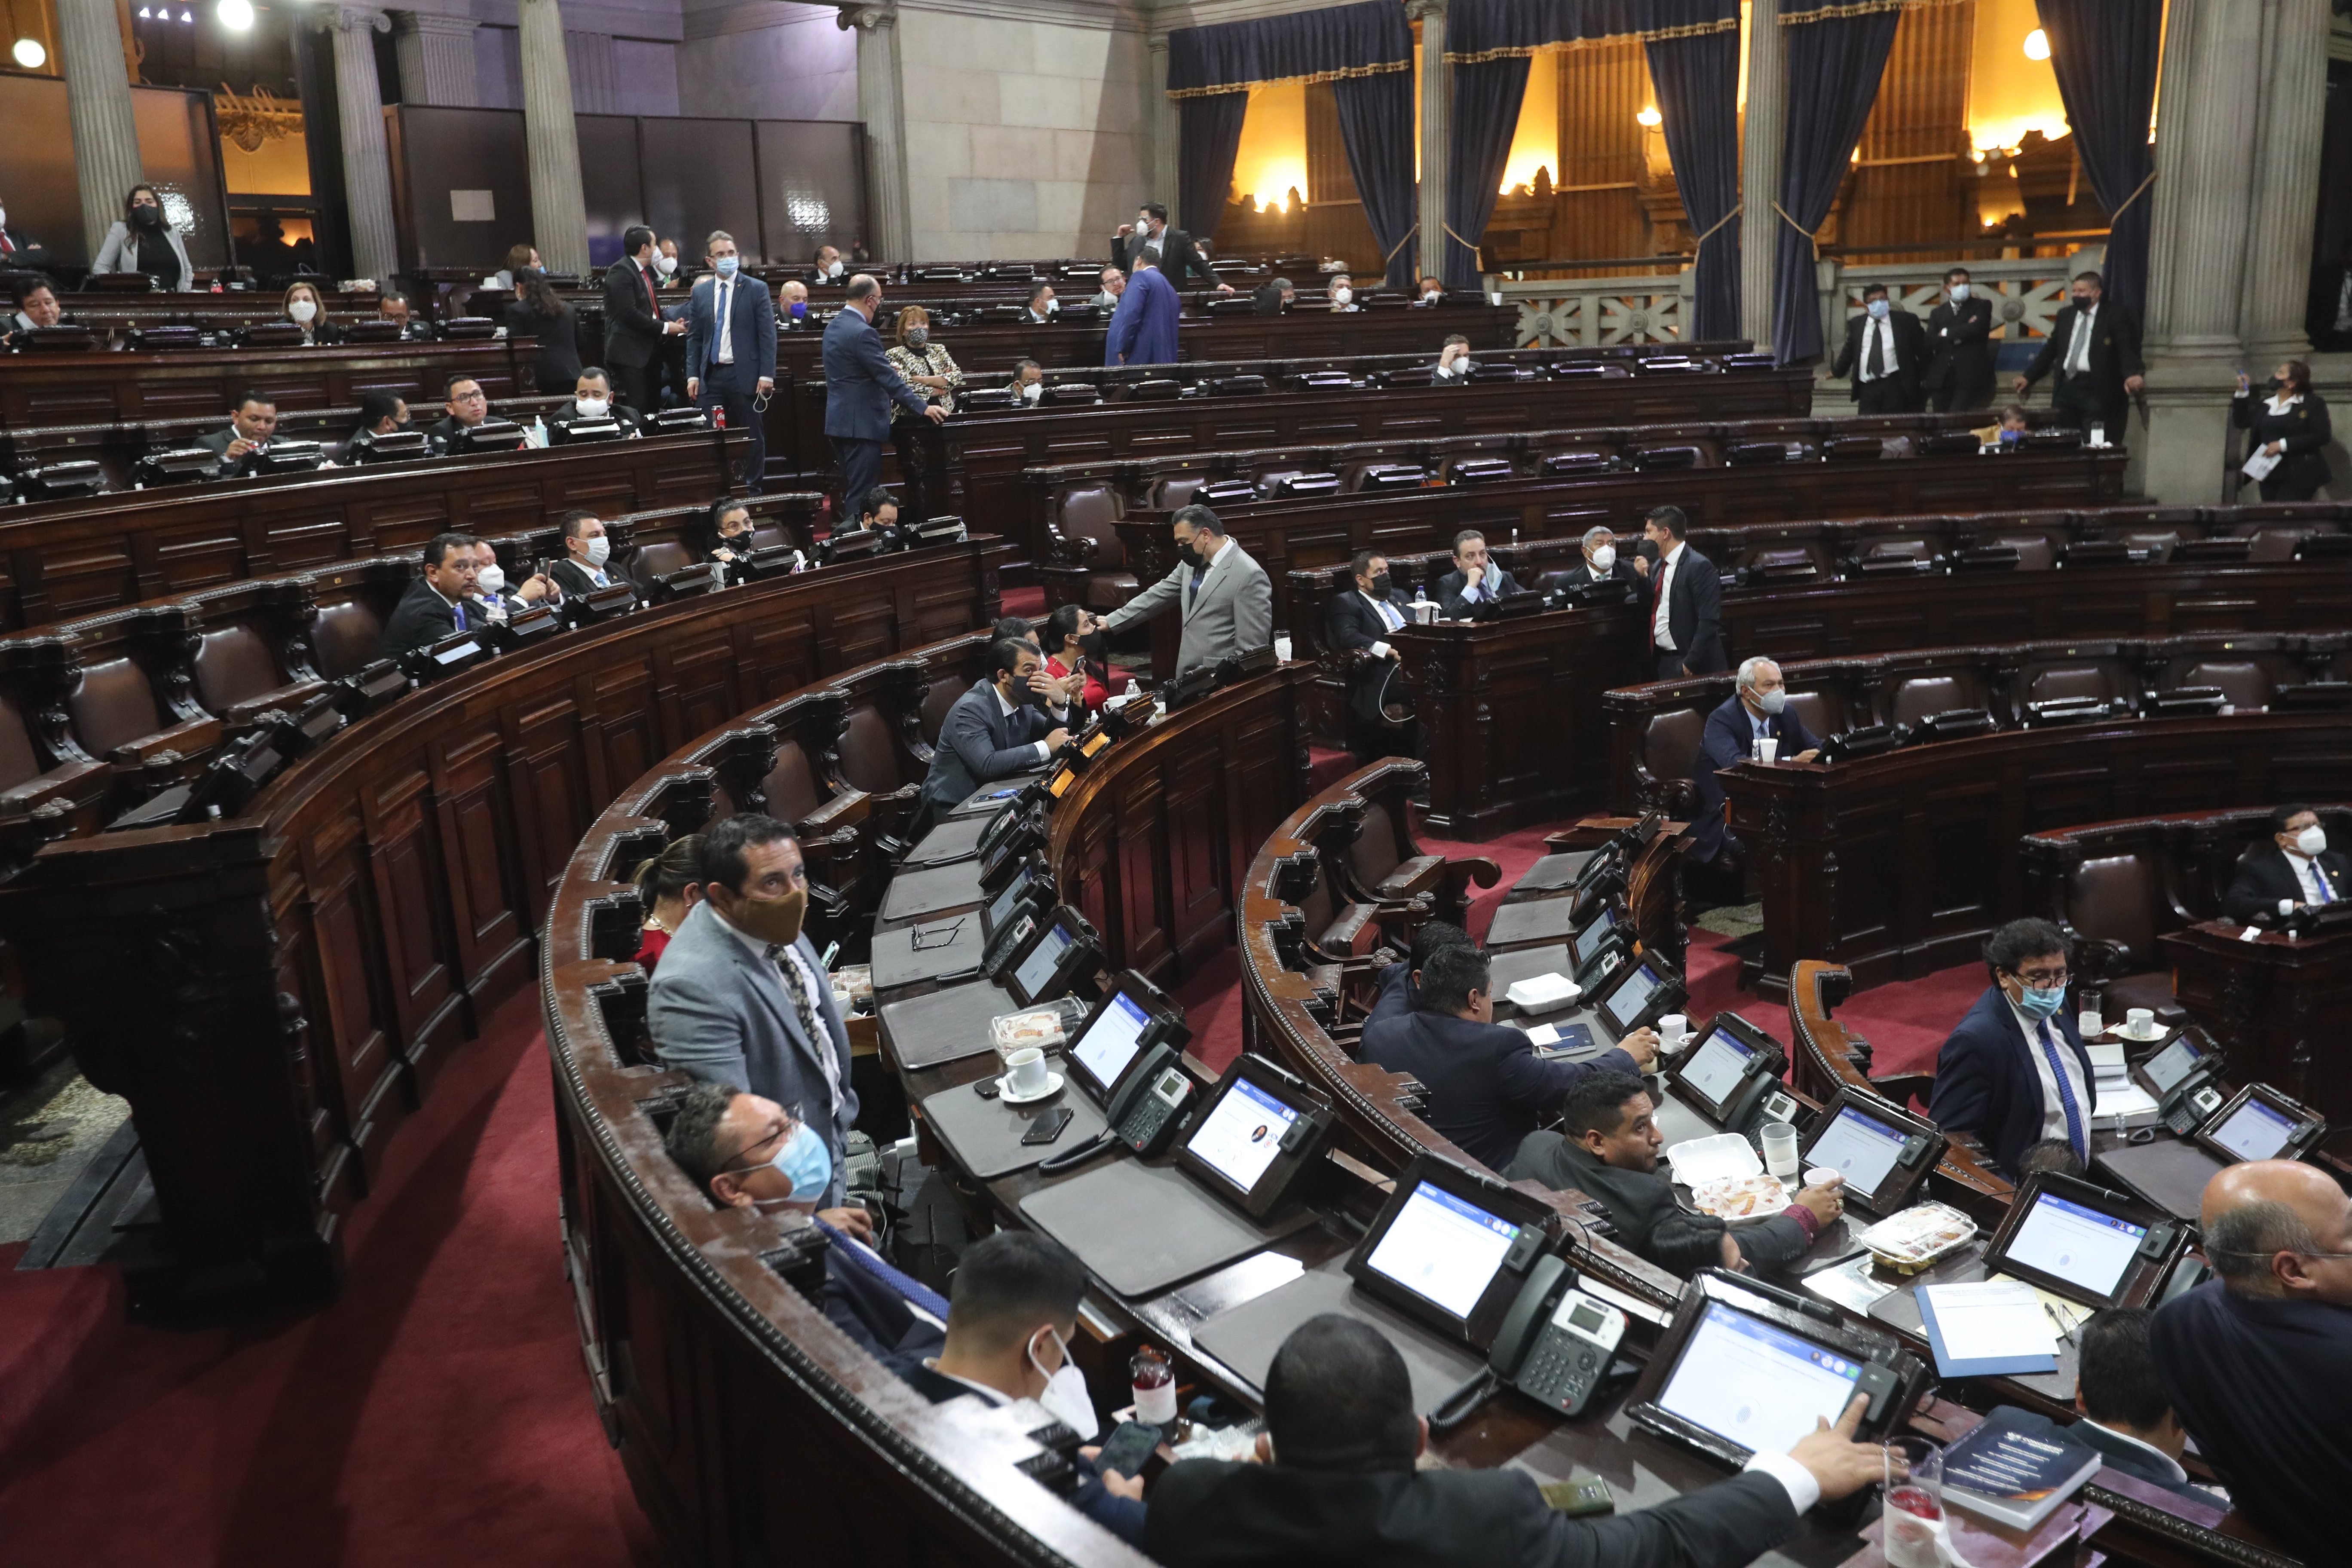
[[435, 606], [1607, 1148], [251, 424], [1601, 562], [1486, 1086], [587, 557], [2095, 349], [1011, 1320], [1043, 306], [2015, 1070], [859, 387], [1960, 346], [730, 349], [35, 304], [592, 398], [19, 252], [2126, 1419], [1685, 600], [1401, 981], [1273, 298], [1171, 248], [1884, 353], [1362, 618], [634, 323], [1338, 1483], [464, 405], [1758, 709], [1008, 723], [1469, 592], [2259, 1361], [2299, 870]]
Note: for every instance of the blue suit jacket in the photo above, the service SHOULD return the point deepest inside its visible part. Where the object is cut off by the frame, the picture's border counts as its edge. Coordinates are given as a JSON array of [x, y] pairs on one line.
[[1143, 330], [752, 335], [858, 381], [980, 742], [1488, 1088], [1728, 742], [1985, 1082]]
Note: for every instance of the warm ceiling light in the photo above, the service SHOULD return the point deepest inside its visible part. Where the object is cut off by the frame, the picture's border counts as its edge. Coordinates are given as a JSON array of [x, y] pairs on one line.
[[185, 16], [30, 55], [145, 15], [236, 14], [2037, 45], [1649, 115]]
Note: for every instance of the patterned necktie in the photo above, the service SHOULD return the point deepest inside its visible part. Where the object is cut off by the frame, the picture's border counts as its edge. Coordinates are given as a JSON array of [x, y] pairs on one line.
[[652, 302], [789, 973], [2327, 889], [2065, 1092]]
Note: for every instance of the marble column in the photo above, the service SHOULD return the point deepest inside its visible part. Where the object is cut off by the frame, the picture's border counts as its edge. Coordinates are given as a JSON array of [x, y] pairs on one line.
[[1760, 139], [367, 169], [1436, 130], [98, 103], [2207, 125], [1166, 138], [2293, 111], [889, 226], [437, 58], [558, 210]]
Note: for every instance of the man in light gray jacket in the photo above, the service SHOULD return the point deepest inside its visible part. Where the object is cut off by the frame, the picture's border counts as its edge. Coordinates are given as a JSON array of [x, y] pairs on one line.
[[1225, 599], [739, 997]]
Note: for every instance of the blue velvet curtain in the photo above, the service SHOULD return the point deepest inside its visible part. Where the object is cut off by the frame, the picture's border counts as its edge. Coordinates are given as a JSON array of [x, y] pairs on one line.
[[1209, 139], [1343, 41], [1489, 27], [1834, 64], [2104, 52], [1697, 77], [1485, 112], [1376, 128]]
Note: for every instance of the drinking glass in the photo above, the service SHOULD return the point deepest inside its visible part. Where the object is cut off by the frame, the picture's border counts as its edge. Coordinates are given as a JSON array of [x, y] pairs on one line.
[[1780, 1151], [1914, 1518]]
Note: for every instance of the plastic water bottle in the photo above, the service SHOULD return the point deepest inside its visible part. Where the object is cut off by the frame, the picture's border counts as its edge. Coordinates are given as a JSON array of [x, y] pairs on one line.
[[1133, 690], [538, 431]]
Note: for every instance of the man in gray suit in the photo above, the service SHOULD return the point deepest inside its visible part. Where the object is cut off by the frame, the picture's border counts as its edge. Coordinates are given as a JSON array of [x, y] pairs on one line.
[[1008, 723], [1226, 601], [739, 997]]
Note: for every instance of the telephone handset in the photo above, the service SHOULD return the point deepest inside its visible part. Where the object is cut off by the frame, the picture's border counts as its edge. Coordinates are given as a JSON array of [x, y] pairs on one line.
[[1613, 950], [1149, 1106], [2191, 1102], [1556, 1341], [1005, 942]]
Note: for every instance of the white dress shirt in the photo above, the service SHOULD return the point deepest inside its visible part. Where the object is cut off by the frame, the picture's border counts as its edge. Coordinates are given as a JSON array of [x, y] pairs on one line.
[[2078, 342], [824, 1051], [724, 352], [1388, 616], [1883, 331], [1662, 623], [1061, 715], [2053, 1108]]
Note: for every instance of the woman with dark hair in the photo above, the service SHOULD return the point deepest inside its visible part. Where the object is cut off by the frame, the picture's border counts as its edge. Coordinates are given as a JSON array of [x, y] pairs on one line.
[[145, 241], [2290, 428], [307, 309], [1077, 650], [668, 887], [730, 528], [539, 312]]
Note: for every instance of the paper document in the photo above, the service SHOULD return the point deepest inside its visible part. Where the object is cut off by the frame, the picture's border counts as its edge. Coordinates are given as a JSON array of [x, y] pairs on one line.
[[2072, 1315], [1543, 1034], [1996, 1319], [2260, 465]]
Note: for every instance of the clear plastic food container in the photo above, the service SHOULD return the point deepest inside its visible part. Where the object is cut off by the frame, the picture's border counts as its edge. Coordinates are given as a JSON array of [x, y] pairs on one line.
[[1909, 1241], [1044, 1028]]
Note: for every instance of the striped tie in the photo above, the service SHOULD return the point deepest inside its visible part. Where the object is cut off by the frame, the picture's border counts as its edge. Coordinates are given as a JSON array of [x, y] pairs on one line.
[[2065, 1093]]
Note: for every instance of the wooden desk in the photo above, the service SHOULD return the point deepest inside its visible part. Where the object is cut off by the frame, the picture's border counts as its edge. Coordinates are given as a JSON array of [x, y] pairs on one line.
[[2282, 1009], [103, 388]]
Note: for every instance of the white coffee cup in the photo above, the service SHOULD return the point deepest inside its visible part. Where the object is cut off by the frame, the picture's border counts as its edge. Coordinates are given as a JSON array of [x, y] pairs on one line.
[[1821, 1177], [2090, 1024], [1672, 1027], [1282, 648], [1025, 1070], [1767, 748], [2140, 1021]]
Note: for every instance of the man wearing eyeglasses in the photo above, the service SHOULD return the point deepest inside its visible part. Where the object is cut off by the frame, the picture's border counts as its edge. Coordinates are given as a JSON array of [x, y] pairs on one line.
[[2258, 1364], [2015, 1070]]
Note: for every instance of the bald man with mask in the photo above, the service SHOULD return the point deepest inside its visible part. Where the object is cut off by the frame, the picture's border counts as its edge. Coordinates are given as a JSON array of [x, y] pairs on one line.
[[2258, 1362]]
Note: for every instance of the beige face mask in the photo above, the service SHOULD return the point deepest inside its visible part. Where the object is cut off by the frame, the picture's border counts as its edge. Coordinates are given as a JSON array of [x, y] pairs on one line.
[[771, 920]]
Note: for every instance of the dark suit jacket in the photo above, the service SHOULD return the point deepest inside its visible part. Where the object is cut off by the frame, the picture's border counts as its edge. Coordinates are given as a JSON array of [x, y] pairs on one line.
[[1910, 354], [1453, 584], [1729, 741], [575, 582], [621, 414], [2304, 429], [1179, 259], [1350, 621], [1960, 345], [1619, 570], [557, 366], [217, 442], [752, 335], [1210, 1513], [980, 742], [859, 385], [2115, 349], [421, 618], [1985, 1082], [1486, 1086], [31, 255], [1642, 1205], [444, 433], [1265, 299], [2264, 877], [1397, 994], [633, 331], [1695, 616], [2119, 1453]]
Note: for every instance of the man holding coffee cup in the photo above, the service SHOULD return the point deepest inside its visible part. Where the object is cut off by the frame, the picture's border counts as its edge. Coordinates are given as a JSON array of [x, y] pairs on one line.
[[1753, 725], [1008, 723]]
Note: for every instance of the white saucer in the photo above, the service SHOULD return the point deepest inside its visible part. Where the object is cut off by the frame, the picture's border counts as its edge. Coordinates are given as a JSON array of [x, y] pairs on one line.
[[1053, 1086], [2156, 1033]]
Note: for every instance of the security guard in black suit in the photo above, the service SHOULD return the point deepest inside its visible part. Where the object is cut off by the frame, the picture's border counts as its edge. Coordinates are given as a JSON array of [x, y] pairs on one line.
[[1885, 353], [2095, 348], [1361, 619], [1960, 346]]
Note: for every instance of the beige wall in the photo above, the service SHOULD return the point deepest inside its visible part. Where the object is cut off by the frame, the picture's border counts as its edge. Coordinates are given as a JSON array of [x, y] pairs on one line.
[[1023, 138]]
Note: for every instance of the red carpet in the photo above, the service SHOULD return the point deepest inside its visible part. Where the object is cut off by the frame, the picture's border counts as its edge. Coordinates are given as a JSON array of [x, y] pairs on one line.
[[1029, 603]]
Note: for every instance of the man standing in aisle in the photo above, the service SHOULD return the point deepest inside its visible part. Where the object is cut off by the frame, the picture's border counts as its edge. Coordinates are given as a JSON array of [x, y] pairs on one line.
[[1225, 598], [730, 349], [634, 325], [1144, 330], [2095, 348], [859, 386]]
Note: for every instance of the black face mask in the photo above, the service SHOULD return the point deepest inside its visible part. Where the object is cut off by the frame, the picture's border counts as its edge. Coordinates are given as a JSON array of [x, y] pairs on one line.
[[1649, 548], [1380, 584], [1022, 694], [1095, 645], [147, 217]]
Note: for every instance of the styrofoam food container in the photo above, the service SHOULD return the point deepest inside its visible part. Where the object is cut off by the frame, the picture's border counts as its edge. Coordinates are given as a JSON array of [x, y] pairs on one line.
[[1540, 992], [1701, 1159]]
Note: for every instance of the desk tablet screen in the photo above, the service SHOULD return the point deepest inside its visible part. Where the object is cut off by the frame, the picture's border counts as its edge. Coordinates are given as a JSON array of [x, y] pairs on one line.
[[1860, 1148], [1002, 907], [1626, 1003], [1108, 1044], [2254, 1131], [2078, 1245], [1595, 932], [1243, 1134], [1037, 969], [1443, 1248], [1715, 1067], [2172, 1064], [1754, 1383]]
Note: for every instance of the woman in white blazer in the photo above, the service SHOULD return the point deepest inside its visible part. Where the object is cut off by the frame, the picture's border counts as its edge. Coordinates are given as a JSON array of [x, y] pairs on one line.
[[145, 241]]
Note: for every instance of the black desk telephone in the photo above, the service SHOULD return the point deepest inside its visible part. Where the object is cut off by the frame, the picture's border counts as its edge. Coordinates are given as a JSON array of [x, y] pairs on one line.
[[2191, 1102], [1555, 1346], [1145, 1112]]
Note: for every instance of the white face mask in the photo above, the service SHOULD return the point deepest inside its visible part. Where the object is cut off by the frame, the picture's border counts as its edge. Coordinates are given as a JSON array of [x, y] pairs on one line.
[[664, 265], [834, 270], [1065, 1398], [492, 579], [600, 550], [304, 311], [1053, 306], [1342, 295], [1464, 366], [1960, 293], [1034, 391], [1431, 294], [2312, 840], [593, 407], [1604, 558]]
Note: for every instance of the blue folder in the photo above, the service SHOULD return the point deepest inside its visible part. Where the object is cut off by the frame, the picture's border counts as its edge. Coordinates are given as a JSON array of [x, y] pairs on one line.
[[1982, 1367]]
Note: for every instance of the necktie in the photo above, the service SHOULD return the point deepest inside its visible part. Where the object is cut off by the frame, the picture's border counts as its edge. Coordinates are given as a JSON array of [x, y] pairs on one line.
[[1388, 616], [1658, 629], [460, 609], [789, 972], [726, 332], [7, 248], [1874, 363], [2326, 889], [652, 303], [2065, 1092], [2078, 344]]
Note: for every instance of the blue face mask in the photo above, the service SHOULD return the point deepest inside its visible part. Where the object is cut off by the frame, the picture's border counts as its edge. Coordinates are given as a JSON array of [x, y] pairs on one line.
[[2036, 1003], [1879, 310], [805, 1162], [800, 308], [728, 264]]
